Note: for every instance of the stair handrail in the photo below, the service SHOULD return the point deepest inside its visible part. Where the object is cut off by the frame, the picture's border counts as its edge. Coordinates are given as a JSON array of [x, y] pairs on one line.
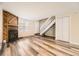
[[45, 22], [48, 21], [49, 26]]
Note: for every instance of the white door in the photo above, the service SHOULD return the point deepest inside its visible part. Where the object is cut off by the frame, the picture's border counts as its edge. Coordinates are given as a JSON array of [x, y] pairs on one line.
[[62, 28], [59, 28]]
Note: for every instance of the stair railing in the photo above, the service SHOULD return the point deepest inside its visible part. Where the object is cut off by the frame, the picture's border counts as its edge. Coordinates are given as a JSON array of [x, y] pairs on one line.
[[47, 23]]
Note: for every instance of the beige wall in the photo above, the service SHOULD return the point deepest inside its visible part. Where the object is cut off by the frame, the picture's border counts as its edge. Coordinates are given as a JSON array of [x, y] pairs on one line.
[[74, 37]]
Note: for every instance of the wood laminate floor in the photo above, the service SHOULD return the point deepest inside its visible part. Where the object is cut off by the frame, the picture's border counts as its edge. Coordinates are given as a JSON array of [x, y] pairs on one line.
[[40, 46]]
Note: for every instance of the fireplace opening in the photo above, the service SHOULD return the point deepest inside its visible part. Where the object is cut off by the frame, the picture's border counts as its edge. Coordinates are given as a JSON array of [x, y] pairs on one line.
[[12, 35]]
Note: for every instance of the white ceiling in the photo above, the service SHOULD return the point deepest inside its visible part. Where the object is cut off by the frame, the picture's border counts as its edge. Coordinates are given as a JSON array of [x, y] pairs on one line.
[[39, 10]]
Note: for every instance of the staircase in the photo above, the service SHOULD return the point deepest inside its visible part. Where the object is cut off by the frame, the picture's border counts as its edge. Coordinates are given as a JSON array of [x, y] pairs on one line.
[[47, 24]]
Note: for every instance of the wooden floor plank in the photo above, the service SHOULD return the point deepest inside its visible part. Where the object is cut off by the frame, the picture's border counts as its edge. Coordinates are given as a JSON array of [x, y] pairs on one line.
[[40, 50], [7, 52], [54, 51], [40, 46], [61, 48]]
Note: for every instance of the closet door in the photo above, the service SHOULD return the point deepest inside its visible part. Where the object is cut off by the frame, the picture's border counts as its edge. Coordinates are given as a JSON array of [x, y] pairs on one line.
[[59, 29], [65, 28]]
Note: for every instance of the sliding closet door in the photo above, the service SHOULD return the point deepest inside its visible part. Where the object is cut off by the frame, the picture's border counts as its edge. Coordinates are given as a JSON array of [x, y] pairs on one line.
[[59, 28], [65, 27], [62, 28]]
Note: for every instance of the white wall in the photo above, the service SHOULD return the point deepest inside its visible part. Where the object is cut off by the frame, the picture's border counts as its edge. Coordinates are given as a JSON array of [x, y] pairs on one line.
[[51, 32], [27, 27], [37, 26]]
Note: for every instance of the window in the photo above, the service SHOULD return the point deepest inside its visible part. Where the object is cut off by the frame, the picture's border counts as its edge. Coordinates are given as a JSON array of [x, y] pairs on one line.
[[23, 25]]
